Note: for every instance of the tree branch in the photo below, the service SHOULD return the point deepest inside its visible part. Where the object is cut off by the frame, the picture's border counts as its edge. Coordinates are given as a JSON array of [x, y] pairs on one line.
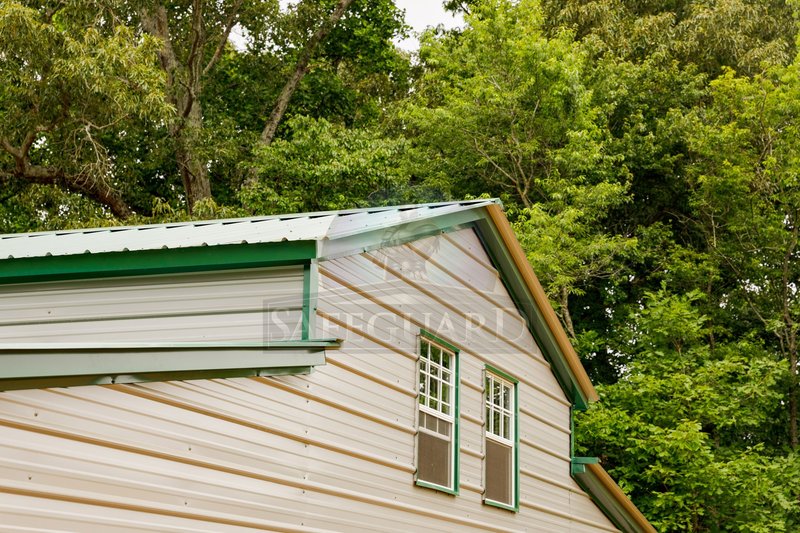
[[229, 23], [300, 70], [98, 190], [155, 23]]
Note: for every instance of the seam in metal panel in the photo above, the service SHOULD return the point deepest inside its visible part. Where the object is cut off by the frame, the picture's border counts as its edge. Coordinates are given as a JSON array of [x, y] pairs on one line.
[[157, 397], [337, 405], [548, 451], [549, 481], [471, 487], [539, 418], [377, 379], [409, 318], [554, 512], [471, 385], [274, 478], [475, 420], [164, 510], [451, 307], [473, 453], [477, 259], [366, 335], [428, 257]]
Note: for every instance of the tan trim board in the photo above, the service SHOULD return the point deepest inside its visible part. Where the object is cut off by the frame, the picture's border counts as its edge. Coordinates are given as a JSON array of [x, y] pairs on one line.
[[611, 486], [540, 298]]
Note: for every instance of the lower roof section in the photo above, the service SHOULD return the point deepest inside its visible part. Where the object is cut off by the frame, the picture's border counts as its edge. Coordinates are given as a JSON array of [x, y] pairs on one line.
[[31, 365], [605, 492]]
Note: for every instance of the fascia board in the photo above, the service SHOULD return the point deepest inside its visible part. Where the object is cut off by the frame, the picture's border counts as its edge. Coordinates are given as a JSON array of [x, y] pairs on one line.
[[149, 262], [605, 492], [504, 248]]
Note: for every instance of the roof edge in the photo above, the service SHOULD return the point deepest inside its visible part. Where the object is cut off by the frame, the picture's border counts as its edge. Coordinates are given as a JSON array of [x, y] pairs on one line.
[[159, 261], [605, 492], [521, 263]]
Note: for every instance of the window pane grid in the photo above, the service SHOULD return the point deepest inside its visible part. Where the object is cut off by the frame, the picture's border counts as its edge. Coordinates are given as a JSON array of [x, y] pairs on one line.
[[499, 411], [436, 439], [436, 378]]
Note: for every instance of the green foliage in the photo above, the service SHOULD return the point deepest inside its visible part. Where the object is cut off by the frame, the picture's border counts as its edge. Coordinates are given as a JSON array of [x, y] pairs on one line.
[[68, 79], [684, 428], [711, 35], [323, 166], [648, 154]]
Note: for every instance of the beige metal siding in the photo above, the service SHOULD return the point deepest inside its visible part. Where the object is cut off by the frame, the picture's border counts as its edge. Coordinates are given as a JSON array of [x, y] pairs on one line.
[[446, 285], [329, 451], [220, 306]]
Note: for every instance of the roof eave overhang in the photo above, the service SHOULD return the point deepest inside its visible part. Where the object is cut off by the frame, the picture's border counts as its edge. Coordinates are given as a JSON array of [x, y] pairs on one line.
[[41, 365], [604, 491]]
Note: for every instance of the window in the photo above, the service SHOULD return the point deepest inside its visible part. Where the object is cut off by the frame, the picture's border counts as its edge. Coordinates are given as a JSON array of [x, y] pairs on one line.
[[437, 435], [500, 427]]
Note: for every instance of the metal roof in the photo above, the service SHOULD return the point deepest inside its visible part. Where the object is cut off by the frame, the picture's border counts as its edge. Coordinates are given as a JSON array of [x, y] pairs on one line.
[[298, 227]]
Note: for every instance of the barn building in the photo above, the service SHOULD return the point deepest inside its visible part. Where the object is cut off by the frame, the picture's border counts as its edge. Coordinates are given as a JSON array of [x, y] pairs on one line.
[[385, 369]]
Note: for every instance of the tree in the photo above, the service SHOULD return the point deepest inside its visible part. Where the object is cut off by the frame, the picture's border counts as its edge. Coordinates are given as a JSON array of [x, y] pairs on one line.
[[149, 144], [684, 430], [737, 34], [323, 166], [503, 110], [69, 75], [747, 199]]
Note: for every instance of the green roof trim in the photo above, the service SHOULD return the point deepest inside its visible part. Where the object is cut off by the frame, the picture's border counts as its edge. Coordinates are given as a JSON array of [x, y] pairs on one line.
[[162, 261], [67, 364], [607, 495]]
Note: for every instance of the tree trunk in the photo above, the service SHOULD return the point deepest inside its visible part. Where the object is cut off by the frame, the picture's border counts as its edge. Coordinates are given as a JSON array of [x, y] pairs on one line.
[[184, 86], [793, 438], [566, 317], [300, 70]]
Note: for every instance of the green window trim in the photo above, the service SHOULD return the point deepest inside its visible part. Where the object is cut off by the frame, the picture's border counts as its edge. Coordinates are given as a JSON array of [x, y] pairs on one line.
[[434, 486], [491, 503], [489, 369], [455, 490]]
